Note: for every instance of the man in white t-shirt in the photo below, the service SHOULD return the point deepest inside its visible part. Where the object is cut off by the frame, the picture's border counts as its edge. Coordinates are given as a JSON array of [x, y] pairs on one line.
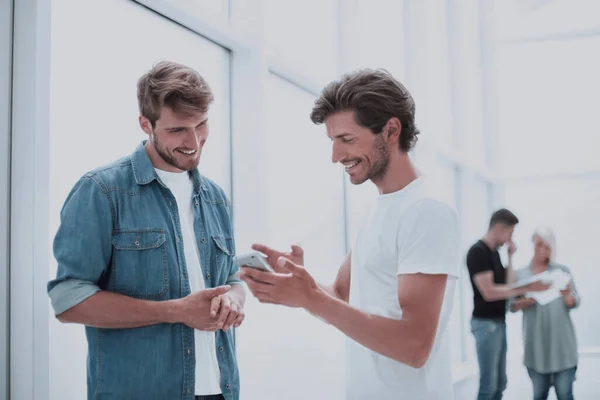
[[393, 293]]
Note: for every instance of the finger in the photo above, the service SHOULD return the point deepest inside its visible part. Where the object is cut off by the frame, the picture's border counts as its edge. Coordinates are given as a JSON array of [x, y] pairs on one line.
[[265, 298], [257, 287], [290, 266], [297, 251], [224, 312], [219, 290], [239, 319], [261, 276], [215, 303], [233, 314], [266, 250]]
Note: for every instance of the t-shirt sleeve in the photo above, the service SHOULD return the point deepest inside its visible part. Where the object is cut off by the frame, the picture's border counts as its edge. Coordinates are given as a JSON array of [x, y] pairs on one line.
[[427, 240], [478, 261]]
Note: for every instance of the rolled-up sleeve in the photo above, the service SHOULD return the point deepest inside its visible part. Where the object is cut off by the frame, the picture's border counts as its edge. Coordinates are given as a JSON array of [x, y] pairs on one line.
[[82, 245]]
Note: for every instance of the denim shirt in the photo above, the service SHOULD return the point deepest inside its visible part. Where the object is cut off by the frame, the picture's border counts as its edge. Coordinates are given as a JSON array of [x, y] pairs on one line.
[[120, 232]]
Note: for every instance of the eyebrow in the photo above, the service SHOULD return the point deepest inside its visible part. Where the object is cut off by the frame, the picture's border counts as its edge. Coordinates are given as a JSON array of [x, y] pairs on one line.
[[174, 128], [341, 135]]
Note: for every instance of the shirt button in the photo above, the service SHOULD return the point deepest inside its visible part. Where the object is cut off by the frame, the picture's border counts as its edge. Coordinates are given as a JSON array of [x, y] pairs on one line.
[[220, 348], [171, 203], [203, 240], [189, 352], [177, 238], [227, 386], [207, 276]]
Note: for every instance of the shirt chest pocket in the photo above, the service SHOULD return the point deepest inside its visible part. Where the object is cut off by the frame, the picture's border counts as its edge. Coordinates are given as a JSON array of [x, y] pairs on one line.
[[224, 251], [139, 264]]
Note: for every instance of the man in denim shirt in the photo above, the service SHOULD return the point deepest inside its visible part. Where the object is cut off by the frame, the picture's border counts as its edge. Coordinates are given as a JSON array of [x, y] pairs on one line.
[[144, 252]]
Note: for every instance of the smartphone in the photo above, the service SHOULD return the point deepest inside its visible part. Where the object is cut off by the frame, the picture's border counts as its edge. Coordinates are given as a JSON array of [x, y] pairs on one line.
[[254, 259]]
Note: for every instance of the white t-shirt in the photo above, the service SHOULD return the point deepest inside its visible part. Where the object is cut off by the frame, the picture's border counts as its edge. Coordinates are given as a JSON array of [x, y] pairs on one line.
[[408, 232], [207, 367]]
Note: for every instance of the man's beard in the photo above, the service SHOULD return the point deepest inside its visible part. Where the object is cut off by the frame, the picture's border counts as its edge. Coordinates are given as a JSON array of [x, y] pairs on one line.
[[381, 161], [169, 158]]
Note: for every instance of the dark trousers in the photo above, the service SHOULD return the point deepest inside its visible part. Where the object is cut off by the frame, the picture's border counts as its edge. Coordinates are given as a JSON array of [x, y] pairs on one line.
[[211, 397]]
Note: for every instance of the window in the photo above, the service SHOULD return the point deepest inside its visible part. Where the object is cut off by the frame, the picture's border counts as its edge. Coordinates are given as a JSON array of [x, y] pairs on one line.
[[303, 35], [475, 215], [547, 106], [469, 79], [303, 192], [429, 72], [374, 39]]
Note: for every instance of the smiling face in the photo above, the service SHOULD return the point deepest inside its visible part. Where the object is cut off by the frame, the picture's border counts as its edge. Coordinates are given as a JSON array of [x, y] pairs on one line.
[[364, 154], [176, 141]]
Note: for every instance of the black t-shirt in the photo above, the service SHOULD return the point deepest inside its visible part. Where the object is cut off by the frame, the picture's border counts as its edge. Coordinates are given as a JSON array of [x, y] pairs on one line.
[[481, 258]]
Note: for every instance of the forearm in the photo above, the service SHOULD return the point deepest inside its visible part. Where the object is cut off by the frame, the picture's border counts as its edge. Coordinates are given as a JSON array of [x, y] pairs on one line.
[[522, 303], [113, 311], [395, 339], [511, 276], [501, 292], [333, 292]]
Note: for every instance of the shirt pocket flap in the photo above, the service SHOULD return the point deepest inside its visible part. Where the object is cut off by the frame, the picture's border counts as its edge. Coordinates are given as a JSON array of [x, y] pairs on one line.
[[139, 240], [224, 244]]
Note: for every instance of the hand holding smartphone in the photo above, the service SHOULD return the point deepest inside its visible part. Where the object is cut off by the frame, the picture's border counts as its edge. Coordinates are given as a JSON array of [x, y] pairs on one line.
[[253, 259]]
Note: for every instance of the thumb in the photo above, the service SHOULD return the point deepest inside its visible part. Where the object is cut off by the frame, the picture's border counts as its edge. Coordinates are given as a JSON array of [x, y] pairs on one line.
[[289, 266], [219, 290], [297, 251]]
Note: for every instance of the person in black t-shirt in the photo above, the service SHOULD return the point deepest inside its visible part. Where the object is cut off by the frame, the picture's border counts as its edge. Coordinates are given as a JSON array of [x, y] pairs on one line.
[[491, 287]]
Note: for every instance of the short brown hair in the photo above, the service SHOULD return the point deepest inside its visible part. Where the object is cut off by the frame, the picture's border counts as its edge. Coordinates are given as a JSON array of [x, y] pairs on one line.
[[375, 96], [173, 85], [503, 216]]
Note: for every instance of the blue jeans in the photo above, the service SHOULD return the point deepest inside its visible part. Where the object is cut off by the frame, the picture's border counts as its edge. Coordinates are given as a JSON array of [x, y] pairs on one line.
[[561, 380], [490, 340]]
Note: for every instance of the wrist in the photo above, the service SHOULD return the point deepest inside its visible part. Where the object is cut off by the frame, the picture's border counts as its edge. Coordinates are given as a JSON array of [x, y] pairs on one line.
[[315, 299], [170, 311]]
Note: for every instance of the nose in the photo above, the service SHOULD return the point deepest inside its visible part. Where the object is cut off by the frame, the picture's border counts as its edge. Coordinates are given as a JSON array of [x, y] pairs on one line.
[[336, 153]]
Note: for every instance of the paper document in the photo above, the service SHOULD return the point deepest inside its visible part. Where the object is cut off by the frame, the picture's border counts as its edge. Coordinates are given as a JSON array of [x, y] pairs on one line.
[[560, 280], [544, 276]]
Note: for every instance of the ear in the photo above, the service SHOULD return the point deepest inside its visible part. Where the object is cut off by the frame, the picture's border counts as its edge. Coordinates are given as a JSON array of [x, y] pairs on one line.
[[145, 124], [393, 128]]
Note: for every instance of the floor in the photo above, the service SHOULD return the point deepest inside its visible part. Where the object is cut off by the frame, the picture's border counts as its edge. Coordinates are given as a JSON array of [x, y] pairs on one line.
[[587, 385]]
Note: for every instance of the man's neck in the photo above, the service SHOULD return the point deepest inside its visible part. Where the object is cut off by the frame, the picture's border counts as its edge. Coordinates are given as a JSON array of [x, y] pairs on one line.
[[399, 174], [490, 242]]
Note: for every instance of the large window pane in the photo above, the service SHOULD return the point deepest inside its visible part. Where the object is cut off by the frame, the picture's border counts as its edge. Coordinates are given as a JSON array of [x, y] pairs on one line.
[[466, 38], [429, 70], [304, 195], [303, 35], [475, 214], [374, 39], [548, 106], [94, 119]]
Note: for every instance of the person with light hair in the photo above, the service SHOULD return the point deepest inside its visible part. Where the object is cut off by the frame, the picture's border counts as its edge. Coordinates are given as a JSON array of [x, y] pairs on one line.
[[549, 340]]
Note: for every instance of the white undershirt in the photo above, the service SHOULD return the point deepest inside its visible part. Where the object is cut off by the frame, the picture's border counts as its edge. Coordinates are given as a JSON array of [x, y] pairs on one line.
[[407, 233], [207, 367]]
